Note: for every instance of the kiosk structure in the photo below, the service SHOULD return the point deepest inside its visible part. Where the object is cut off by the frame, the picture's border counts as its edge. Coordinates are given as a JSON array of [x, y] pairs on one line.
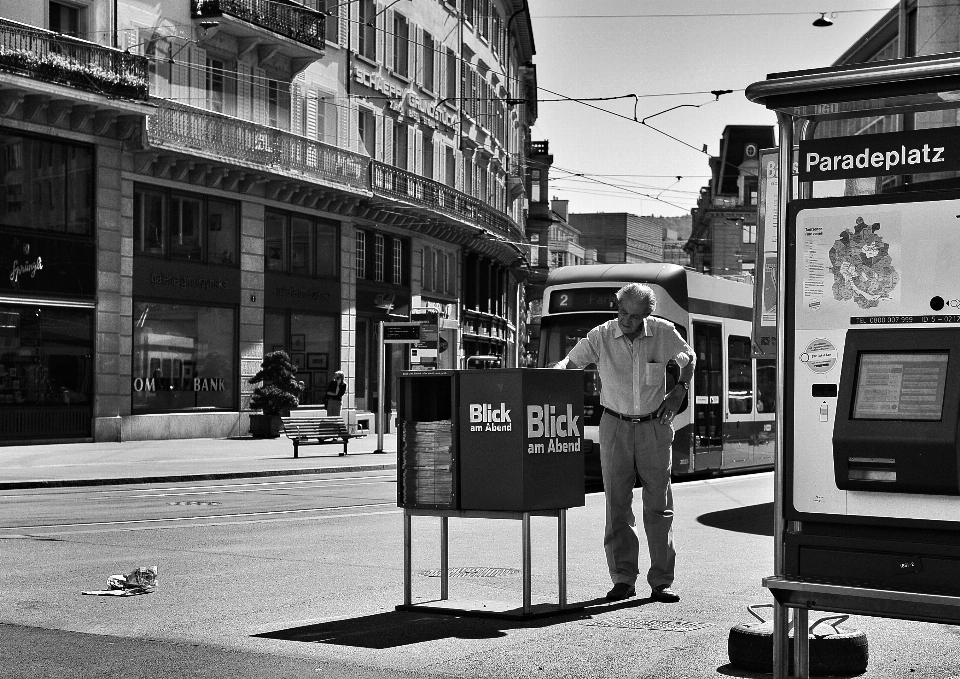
[[491, 444], [867, 500]]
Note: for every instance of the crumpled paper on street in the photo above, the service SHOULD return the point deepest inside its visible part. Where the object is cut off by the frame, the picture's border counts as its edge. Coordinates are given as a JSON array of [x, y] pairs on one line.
[[143, 580]]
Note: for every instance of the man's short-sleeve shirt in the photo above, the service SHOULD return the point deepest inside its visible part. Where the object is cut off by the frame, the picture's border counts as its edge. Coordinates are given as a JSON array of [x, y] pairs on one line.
[[633, 374]]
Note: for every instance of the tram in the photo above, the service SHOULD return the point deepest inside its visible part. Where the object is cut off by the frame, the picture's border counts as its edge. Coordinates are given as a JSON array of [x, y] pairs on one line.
[[727, 422]]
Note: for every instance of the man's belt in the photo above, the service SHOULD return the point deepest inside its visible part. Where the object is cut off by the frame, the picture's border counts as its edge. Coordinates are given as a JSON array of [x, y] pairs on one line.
[[631, 418]]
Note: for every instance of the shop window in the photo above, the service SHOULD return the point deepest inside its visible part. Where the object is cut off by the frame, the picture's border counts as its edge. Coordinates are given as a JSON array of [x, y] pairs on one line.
[[46, 356], [184, 357], [397, 268], [275, 241], [312, 343], [378, 255], [361, 254], [383, 258], [299, 245], [328, 244], [740, 377], [47, 185], [185, 226], [186, 238], [223, 221]]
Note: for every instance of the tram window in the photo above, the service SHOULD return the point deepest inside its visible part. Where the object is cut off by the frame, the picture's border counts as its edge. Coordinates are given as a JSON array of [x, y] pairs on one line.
[[740, 376], [766, 385], [558, 337]]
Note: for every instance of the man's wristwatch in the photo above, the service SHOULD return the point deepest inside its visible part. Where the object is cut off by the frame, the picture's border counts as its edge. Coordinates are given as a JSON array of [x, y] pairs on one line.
[[686, 387]]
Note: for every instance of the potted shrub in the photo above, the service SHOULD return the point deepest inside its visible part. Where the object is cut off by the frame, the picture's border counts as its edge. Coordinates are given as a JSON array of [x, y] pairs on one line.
[[278, 393]]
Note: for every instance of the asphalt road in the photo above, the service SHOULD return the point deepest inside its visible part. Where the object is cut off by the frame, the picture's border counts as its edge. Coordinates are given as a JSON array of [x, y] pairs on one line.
[[300, 576]]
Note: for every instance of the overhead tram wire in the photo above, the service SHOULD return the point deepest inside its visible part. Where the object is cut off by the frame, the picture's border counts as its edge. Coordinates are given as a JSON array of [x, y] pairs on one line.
[[704, 14]]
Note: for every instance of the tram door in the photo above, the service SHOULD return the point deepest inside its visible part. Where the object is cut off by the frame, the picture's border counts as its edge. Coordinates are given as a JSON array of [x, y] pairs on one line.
[[708, 393]]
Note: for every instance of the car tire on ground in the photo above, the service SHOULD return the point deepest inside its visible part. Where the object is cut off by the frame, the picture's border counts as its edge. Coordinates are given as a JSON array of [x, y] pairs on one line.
[[834, 650]]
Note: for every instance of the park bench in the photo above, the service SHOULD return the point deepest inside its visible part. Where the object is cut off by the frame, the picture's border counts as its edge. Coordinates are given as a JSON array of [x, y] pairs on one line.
[[312, 431]]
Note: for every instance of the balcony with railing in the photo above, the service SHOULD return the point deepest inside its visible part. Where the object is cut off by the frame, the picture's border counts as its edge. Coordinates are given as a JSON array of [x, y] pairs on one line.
[[393, 182], [52, 57], [272, 26], [219, 137]]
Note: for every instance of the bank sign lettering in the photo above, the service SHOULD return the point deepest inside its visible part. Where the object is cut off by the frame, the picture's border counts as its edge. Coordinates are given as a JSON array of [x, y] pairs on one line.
[[875, 155]]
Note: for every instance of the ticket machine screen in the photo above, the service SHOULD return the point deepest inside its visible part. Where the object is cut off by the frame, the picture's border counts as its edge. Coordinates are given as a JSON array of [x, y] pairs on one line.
[[900, 386], [897, 425]]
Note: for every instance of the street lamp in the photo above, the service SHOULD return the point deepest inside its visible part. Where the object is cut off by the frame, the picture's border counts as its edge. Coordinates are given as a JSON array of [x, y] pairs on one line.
[[823, 21]]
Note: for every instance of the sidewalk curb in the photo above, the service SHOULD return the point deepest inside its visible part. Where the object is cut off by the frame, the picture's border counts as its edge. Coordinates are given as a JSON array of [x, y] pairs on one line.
[[67, 483]]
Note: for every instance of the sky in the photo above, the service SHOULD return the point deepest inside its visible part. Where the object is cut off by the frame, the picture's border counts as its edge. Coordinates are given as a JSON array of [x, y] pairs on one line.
[[683, 49]]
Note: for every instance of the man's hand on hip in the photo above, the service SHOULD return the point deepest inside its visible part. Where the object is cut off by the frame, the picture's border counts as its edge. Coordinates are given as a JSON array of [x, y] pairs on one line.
[[671, 405]]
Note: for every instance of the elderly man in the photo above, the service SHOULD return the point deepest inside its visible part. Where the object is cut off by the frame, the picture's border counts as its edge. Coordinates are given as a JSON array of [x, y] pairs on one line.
[[636, 434]]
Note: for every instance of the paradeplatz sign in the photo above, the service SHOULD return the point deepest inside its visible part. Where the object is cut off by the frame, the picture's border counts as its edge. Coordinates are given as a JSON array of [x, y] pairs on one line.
[[875, 155]]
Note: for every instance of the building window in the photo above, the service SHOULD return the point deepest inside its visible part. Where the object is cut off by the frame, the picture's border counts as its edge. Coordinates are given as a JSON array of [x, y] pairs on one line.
[[535, 186], [185, 226], [214, 85], [750, 190], [65, 19], [361, 254], [332, 21], [401, 45], [299, 245], [367, 129], [453, 74], [749, 233], [326, 119], [450, 171], [367, 18], [483, 14], [378, 255], [273, 103], [426, 155], [429, 61], [400, 145], [184, 357], [469, 8], [497, 31], [437, 270]]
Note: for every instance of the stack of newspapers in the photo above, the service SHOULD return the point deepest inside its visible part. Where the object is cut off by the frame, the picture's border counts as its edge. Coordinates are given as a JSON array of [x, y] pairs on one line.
[[427, 462]]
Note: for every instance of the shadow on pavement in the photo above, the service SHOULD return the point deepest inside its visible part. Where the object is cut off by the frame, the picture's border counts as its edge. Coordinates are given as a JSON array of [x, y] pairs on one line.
[[403, 628], [729, 670], [755, 519]]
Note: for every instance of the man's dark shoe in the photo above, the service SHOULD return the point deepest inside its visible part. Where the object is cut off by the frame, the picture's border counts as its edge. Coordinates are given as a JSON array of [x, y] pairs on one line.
[[664, 594], [621, 591]]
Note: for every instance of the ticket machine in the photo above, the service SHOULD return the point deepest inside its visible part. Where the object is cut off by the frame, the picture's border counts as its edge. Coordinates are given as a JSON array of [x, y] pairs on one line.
[[872, 361]]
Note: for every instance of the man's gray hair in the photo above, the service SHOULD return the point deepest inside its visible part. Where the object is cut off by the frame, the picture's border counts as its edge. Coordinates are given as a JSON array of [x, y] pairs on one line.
[[639, 293]]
